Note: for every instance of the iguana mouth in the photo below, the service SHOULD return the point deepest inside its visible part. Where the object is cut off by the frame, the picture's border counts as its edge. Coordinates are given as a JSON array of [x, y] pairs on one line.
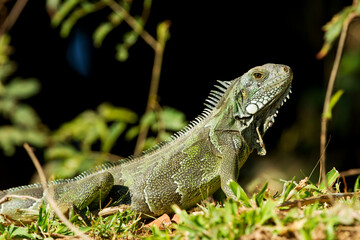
[[274, 109]]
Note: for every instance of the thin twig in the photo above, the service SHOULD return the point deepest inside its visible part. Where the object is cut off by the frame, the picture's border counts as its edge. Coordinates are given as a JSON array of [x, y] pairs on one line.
[[13, 16], [107, 211], [324, 119], [163, 30], [161, 125], [61, 236], [49, 198], [131, 21], [10, 196], [350, 172], [345, 184], [158, 46], [328, 198], [152, 99]]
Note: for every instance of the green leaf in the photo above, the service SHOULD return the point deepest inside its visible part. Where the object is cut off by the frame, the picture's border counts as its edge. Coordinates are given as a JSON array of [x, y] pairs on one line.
[[101, 32], [89, 137], [122, 52], [357, 7], [85, 229], [112, 113], [331, 177], [52, 5], [150, 142], [240, 193], [84, 9], [66, 27], [267, 211], [115, 131], [163, 33], [170, 118], [174, 119], [290, 185], [148, 119], [7, 106], [356, 186], [334, 99], [130, 38], [35, 137], [87, 128], [164, 136], [116, 17], [69, 167], [132, 133], [330, 229], [25, 116], [60, 152], [63, 11], [10, 137], [4, 51], [333, 29], [43, 217], [22, 88], [21, 232], [259, 198]]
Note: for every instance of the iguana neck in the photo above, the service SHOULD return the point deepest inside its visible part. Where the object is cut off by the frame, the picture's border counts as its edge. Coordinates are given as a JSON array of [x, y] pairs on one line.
[[222, 120]]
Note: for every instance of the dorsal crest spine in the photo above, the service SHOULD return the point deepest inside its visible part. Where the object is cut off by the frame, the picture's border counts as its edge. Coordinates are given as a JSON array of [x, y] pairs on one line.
[[210, 103]]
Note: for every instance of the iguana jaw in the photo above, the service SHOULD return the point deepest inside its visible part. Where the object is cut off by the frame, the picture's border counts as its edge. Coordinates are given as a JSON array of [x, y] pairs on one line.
[[261, 98], [273, 111], [269, 121]]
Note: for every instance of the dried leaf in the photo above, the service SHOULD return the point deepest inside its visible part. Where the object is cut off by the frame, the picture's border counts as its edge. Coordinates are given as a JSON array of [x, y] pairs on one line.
[[161, 222]]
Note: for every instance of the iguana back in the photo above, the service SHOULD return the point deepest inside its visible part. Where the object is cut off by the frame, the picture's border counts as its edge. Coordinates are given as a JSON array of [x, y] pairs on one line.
[[196, 162]]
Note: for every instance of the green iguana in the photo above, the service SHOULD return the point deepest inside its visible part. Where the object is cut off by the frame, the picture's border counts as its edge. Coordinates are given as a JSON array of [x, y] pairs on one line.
[[196, 162]]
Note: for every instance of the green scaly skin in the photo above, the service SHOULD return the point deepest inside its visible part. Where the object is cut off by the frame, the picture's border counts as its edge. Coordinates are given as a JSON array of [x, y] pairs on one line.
[[195, 163]]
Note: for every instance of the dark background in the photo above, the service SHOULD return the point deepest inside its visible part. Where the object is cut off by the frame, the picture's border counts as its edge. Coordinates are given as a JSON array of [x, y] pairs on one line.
[[210, 40]]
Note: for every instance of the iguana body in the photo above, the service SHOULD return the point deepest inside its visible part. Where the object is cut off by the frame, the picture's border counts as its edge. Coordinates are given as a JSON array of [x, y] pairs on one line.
[[198, 160]]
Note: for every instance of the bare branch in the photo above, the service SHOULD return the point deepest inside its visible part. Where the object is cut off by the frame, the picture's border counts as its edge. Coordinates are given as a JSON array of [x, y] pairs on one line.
[[163, 31], [50, 199], [13, 16], [350, 172], [10, 196], [324, 119], [327, 198]]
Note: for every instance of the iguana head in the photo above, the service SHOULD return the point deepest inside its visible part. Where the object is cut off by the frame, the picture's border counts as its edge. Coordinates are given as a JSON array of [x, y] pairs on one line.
[[258, 95]]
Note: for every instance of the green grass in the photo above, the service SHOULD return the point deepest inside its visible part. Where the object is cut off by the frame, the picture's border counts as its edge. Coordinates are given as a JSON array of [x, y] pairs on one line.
[[257, 216]]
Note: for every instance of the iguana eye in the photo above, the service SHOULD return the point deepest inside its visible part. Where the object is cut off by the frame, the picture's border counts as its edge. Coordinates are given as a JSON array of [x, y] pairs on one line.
[[257, 75]]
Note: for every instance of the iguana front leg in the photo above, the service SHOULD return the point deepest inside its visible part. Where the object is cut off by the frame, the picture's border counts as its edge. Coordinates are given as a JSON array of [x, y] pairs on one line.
[[234, 151], [228, 173]]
